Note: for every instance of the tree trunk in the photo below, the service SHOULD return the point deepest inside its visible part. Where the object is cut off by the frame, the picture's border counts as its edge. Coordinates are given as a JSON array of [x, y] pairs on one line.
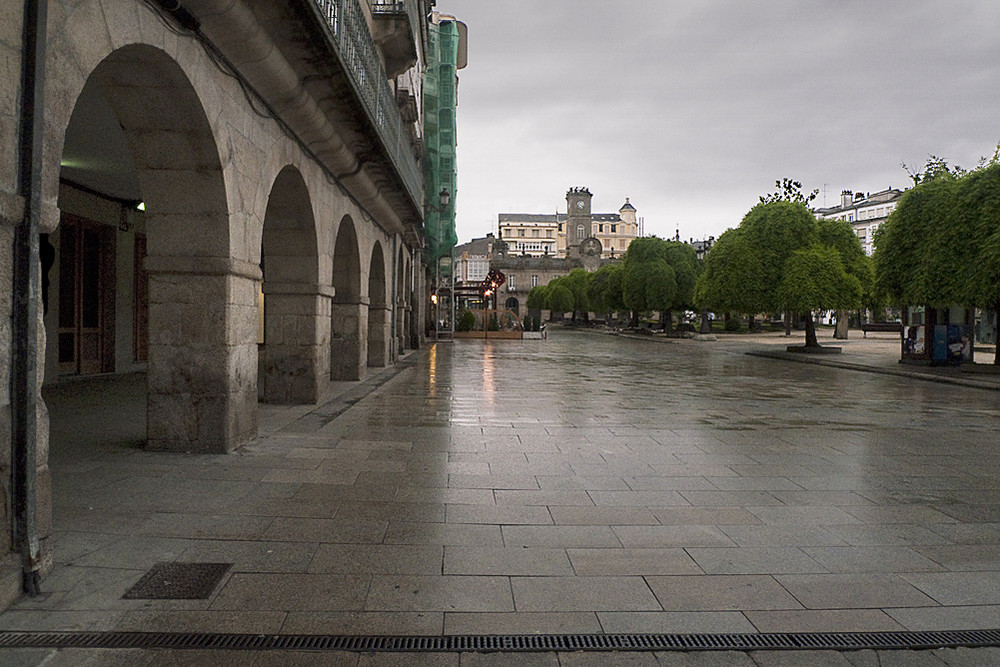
[[996, 333], [840, 331], [788, 323], [810, 331], [668, 320], [706, 326]]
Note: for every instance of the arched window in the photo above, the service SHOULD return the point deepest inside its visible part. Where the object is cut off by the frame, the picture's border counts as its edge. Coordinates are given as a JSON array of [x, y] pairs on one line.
[[579, 232]]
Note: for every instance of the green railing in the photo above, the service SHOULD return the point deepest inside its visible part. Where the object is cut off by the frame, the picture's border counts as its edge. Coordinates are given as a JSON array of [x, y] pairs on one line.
[[353, 44]]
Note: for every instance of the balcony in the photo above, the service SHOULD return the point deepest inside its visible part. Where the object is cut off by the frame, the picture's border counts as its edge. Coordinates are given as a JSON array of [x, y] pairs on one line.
[[397, 33], [348, 34]]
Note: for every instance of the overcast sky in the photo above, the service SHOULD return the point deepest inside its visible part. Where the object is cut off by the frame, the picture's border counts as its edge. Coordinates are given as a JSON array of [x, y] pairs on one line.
[[693, 108]]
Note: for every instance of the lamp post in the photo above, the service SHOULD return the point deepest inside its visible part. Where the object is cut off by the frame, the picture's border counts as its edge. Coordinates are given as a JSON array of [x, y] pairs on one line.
[[444, 198]]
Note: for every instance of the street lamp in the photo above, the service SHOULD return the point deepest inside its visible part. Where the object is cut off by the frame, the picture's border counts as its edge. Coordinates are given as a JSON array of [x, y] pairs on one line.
[[444, 198]]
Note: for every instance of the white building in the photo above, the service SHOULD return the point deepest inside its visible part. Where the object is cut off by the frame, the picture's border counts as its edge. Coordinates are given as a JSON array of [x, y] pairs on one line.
[[864, 211]]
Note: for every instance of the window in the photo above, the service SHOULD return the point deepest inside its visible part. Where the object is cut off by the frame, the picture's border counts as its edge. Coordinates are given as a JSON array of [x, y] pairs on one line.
[[534, 281], [534, 233], [520, 232], [560, 226], [512, 283], [579, 232], [600, 228], [548, 233], [614, 229]]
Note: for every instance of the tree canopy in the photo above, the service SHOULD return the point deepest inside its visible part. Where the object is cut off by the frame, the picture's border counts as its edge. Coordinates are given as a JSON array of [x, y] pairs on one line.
[[941, 244], [781, 258]]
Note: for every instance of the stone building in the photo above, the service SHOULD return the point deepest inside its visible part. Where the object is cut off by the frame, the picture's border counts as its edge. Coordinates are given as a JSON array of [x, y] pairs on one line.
[[864, 211], [224, 194], [537, 235]]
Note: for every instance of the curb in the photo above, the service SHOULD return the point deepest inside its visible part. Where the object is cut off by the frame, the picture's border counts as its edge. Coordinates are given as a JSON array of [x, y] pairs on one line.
[[916, 375]]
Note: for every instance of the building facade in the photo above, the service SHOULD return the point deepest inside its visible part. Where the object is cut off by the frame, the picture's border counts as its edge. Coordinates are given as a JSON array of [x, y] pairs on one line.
[[864, 211], [539, 235], [225, 195]]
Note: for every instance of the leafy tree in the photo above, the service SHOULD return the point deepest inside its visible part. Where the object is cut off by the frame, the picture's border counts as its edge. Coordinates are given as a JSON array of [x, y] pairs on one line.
[[941, 245], [782, 258], [788, 190], [733, 279], [658, 275], [814, 278], [558, 297], [605, 289], [536, 297], [578, 282]]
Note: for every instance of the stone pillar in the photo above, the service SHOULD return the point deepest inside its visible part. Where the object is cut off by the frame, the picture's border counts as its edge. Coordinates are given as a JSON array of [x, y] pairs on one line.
[[202, 374], [401, 326], [419, 306], [348, 341], [296, 342], [379, 333]]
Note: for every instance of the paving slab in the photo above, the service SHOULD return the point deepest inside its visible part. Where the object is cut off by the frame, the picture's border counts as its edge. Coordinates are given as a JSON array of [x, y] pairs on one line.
[[629, 486]]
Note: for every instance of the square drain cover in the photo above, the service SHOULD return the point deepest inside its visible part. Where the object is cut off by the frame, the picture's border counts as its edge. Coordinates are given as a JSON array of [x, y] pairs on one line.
[[178, 581]]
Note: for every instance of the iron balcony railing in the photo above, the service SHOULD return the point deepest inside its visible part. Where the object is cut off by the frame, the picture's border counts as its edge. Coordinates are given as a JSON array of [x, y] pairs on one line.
[[353, 43]]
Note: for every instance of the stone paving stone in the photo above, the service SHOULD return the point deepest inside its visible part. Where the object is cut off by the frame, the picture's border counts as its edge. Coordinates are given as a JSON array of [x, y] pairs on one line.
[[252, 556], [704, 659], [201, 526], [754, 483], [582, 594], [871, 559], [466, 623], [823, 620], [591, 562], [792, 658], [562, 497], [854, 590], [526, 659], [376, 559], [291, 592], [898, 514], [139, 552], [447, 593], [753, 560], [390, 511], [969, 533], [477, 496], [808, 514], [325, 530], [721, 593], [671, 536], [790, 535], [567, 515], [404, 532], [593, 483], [964, 557], [957, 588], [637, 498], [559, 536], [704, 516], [536, 561], [744, 499], [623, 658], [311, 659], [251, 622], [363, 623], [971, 617], [462, 481], [870, 535], [670, 622], [500, 514]]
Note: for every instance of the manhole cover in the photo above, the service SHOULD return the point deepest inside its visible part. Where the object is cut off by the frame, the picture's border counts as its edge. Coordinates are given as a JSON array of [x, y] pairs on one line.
[[178, 581]]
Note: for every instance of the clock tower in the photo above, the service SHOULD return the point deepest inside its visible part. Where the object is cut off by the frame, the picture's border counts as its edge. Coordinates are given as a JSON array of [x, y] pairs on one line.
[[578, 218]]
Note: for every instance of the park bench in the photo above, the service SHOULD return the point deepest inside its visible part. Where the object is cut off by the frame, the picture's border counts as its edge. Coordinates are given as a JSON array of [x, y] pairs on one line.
[[896, 327]]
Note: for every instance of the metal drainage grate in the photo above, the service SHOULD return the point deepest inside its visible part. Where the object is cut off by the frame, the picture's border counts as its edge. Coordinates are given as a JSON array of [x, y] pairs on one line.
[[178, 581], [833, 641]]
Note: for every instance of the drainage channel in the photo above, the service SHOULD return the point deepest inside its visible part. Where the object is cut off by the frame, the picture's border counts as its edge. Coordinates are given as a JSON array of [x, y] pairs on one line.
[[835, 641]]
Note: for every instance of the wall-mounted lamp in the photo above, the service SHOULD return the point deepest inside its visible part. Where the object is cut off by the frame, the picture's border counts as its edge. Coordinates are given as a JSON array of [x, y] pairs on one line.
[[444, 198]]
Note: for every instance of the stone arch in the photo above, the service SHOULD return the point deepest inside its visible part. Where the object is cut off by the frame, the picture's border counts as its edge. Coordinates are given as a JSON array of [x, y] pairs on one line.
[[512, 304], [201, 370], [294, 306], [379, 312], [349, 312]]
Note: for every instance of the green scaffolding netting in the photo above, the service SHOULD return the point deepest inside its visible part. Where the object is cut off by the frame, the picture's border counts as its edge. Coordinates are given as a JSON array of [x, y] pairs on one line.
[[440, 88]]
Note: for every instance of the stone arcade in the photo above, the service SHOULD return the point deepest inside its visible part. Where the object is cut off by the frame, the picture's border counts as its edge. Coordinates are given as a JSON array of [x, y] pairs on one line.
[[193, 167]]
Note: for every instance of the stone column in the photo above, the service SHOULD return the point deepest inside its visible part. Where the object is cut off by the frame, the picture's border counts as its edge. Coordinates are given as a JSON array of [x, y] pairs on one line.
[[418, 320], [348, 341], [202, 374], [296, 342], [400, 326], [379, 334]]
